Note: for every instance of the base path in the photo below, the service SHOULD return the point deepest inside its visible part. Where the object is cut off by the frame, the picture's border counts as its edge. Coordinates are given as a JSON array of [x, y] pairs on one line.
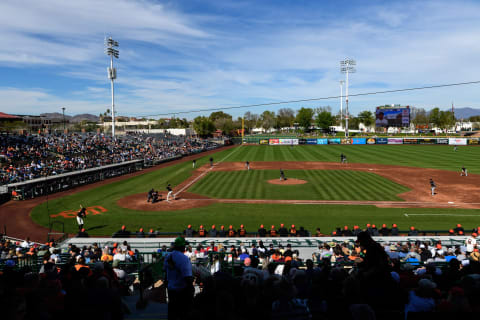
[[15, 215], [453, 191]]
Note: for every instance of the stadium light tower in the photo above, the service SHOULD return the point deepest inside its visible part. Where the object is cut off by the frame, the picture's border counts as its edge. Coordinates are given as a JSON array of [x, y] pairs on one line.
[[347, 66], [341, 102], [110, 50], [63, 111]]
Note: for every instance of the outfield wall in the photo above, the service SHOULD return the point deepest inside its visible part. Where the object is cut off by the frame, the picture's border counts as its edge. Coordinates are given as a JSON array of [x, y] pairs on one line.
[[369, 141]]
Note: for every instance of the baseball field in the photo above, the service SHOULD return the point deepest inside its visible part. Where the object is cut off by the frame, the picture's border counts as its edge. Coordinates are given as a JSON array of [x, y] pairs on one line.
[[378, 184]]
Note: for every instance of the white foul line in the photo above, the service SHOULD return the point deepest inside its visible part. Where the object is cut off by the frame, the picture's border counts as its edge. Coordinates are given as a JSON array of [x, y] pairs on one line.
[[442, 214], [204, 173]]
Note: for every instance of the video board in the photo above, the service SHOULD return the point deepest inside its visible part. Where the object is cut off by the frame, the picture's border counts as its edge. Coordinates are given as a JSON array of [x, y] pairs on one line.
[[392, 117]]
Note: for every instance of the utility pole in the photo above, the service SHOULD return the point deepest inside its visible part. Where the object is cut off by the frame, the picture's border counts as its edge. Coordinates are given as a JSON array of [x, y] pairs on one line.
[[341, 103], [63, 111]]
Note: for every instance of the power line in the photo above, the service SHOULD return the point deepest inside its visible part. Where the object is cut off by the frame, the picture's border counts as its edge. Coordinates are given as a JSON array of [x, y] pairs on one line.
[[315, 99]]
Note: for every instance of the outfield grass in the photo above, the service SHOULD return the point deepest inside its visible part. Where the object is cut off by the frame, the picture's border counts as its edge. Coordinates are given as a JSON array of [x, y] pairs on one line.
[[322, 185], [436, 157], [310, 216]]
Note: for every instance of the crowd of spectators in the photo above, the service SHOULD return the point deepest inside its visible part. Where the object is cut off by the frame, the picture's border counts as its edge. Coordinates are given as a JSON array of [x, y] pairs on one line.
[[26, 157], [74, 283], [339, 280], [353, 280]]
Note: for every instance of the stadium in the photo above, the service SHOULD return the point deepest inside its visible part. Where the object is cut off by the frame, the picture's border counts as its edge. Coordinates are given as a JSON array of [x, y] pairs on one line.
[[222, 181]]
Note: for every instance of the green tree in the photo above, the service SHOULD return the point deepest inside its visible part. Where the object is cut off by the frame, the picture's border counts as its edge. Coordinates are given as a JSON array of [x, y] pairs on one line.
[[419, 117], [434, 117], [304, 118], [219, 115], [474, 119], [446, 119], [268, 120], [285, 117], [203, 126], [366, 117], [324, 119]]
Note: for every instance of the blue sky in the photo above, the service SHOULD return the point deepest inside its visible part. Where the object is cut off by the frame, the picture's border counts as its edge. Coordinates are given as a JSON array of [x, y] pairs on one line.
[[183, 55]]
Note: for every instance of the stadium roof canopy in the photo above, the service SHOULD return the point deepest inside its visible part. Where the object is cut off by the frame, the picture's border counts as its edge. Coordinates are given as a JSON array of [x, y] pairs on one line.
[[8, 116]]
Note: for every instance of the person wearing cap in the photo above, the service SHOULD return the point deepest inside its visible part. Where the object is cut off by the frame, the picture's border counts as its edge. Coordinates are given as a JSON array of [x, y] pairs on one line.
[[179, 281], [231, 231], [151, 233], [122, 233], [189, 232], [202, 232], [283, 232], [213, 232], [471, 243], [432, 186], [293, 231], [347, 232], [170, 192], [273, 232], [242, 232], [384, 231], [81, 214], [222, 233], [413, 232], [394, 231], [140, 233], [262, 232], [458, 228], [356, 230]]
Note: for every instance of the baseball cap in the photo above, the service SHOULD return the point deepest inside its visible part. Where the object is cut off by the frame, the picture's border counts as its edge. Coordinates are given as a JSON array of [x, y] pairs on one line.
[[123, 227], [474, 234], [213, 226], [394, 225], [293, 226], [273, 227], [180, 242], [261, 226], [281, 224]]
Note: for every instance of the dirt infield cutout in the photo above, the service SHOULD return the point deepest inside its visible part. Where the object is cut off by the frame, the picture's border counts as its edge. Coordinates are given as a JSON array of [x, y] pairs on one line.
[[287, 182], [453, 191]]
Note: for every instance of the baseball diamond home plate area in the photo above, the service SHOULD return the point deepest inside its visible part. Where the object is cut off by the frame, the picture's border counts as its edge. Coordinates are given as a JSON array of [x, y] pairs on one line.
[[454, 192], [380, 184]]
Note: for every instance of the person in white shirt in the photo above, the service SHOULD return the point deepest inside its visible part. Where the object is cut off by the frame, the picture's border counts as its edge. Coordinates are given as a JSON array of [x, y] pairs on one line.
[[471, 242]]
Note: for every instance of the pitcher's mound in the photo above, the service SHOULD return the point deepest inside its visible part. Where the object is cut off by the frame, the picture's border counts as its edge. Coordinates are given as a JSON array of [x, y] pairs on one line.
[[287, 182]]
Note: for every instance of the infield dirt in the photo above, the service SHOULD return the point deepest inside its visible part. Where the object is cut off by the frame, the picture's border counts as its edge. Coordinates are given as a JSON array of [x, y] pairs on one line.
[[453, 191]]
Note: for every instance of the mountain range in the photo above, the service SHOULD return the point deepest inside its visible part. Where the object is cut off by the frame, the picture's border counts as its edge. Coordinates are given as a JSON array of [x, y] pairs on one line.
[[465, 113]]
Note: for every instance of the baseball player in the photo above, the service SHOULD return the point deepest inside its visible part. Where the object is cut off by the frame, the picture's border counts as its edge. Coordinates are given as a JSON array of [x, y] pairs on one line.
[[211, 162], [82, 213], [194, 163], [455, 148], [150, 195], [464, 172], [170, 192], [282, 175], [247, 165], [432, 186]]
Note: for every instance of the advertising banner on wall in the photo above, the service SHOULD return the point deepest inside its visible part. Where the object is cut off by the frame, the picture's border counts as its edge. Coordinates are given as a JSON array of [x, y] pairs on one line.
[[273, 142], [302, 141], [263, 141], [457, 141], [473, 141], [382, 140], [427, 141], [442, 141], [410, 141], [395, 141], [311, 141], [288, 141], [359, 141], [322, 141], [334, 141], [371, 141], [346, 141]]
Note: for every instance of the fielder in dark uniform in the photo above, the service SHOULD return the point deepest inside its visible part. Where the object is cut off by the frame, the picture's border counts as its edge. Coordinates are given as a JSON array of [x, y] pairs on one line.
[[282, 175], [211, 162], [464, 172], [150, 195], [81, 214]]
